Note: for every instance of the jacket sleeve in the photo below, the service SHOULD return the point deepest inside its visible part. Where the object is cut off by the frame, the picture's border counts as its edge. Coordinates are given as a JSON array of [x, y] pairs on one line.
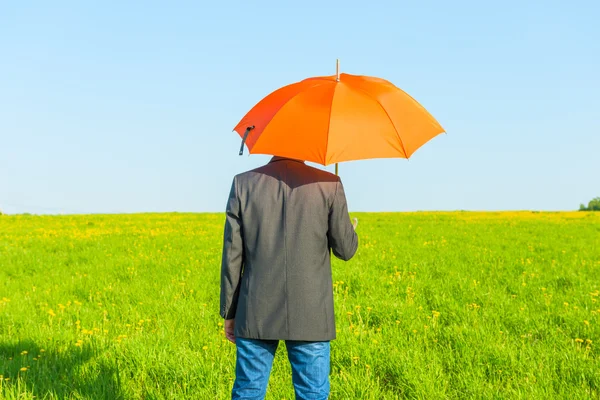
[[233, 256], [343, 240]]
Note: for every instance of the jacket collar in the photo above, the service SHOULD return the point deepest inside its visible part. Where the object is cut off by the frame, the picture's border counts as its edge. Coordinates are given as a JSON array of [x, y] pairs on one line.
[[278, 158]]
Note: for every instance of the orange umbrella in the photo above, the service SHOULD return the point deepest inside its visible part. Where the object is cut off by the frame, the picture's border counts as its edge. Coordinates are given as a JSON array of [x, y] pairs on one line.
[[329, 119]]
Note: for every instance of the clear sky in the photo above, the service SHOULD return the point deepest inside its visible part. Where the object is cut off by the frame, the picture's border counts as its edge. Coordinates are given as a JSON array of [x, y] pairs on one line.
[[129, 106]]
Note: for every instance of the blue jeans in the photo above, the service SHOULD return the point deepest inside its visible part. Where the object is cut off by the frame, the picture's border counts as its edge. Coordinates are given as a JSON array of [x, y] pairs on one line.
[[310, 363]]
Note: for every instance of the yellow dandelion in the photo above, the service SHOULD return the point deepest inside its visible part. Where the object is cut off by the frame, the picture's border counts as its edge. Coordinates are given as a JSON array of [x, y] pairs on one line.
[[52, 313], [205, 348], [23, 369], [588, 341], [397, 322], [586, 322], [579, 340], [42, 351], [24, 353], [349, 313]]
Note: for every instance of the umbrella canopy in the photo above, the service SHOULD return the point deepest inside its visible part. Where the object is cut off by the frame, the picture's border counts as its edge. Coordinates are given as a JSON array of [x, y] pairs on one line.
[[343, 117]]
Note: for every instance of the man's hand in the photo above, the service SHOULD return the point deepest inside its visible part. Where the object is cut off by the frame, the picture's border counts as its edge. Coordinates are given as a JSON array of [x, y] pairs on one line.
[[229, 328], [355, 223]]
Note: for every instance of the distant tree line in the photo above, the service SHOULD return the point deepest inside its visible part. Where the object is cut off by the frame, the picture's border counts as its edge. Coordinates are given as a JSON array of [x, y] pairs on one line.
[[593, 205]]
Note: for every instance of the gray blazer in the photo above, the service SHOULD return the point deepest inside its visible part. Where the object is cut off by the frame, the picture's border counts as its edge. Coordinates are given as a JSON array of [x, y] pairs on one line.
[[282, 220]]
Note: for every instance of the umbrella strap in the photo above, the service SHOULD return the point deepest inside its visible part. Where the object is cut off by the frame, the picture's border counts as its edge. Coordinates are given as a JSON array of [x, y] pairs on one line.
[[248, 129]]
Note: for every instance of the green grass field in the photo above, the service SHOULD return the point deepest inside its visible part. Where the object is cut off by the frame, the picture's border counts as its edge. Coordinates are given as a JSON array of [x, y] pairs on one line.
[[433, 306]]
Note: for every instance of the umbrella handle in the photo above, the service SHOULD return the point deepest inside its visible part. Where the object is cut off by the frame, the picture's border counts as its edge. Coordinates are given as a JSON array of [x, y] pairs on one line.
[[248, 129]]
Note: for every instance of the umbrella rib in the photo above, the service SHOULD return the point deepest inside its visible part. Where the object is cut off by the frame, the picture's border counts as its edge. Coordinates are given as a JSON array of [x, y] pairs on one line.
[[279, 109], [329, 124], [387, 115]]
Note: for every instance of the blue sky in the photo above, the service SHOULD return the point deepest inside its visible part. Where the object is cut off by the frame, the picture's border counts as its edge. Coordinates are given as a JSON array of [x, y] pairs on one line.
[[114, 107]]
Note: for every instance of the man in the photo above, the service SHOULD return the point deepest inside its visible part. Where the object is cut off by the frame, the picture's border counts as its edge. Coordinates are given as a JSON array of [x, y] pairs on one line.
[[282, 221]]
